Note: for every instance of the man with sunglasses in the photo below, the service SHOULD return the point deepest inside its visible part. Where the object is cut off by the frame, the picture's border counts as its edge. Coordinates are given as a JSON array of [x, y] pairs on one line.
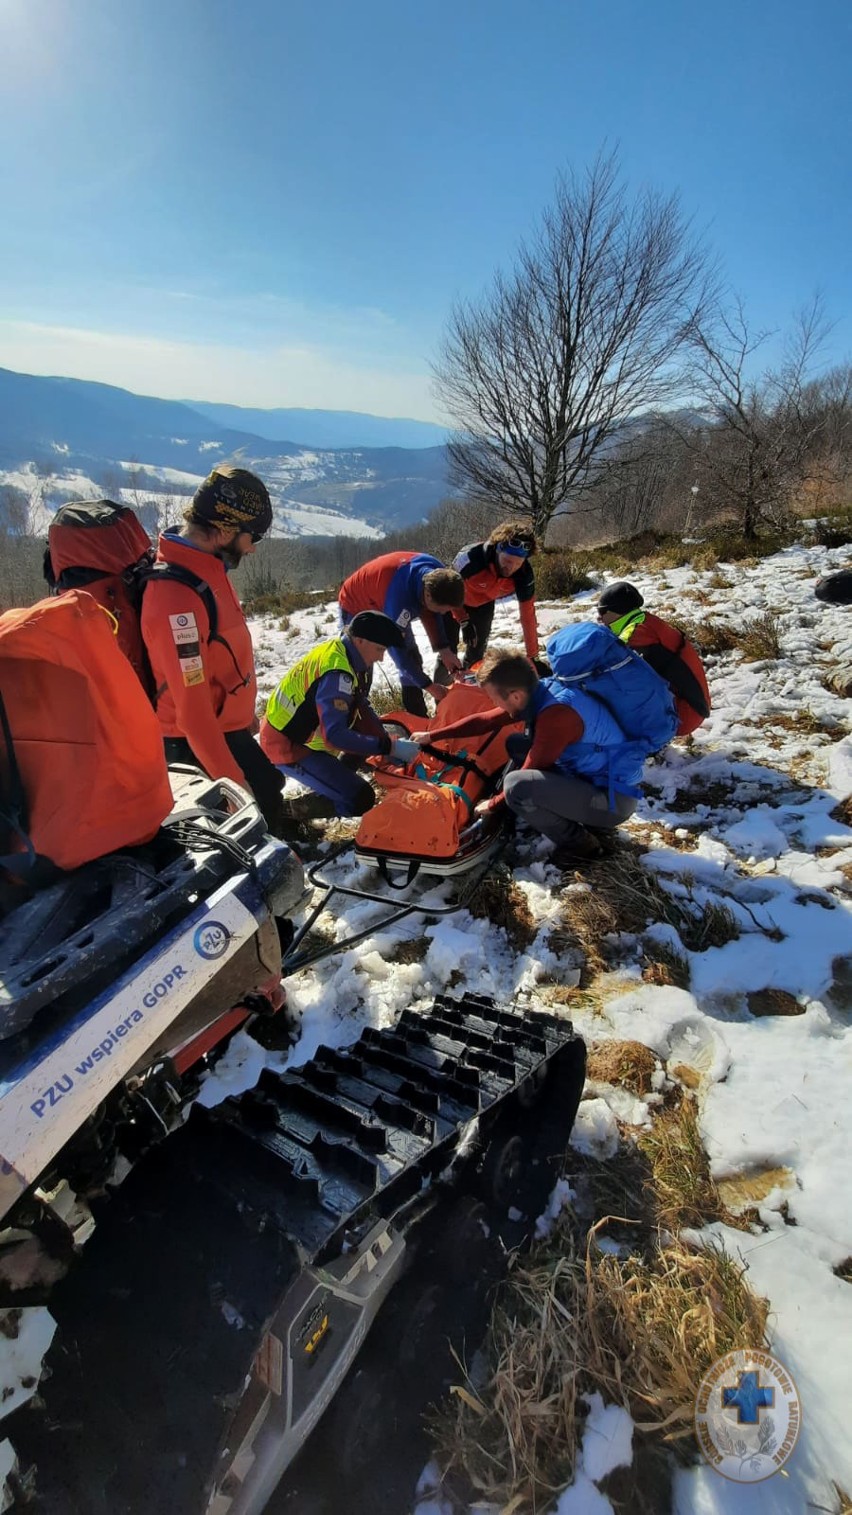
[[491, 571], [198, 641]]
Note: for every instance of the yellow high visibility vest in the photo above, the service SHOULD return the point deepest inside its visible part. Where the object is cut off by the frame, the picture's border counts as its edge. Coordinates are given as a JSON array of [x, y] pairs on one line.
[[294, 689], [625, 626]]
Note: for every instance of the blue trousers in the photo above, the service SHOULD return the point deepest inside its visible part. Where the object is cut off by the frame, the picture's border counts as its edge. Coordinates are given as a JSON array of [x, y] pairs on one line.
[[334, 779]]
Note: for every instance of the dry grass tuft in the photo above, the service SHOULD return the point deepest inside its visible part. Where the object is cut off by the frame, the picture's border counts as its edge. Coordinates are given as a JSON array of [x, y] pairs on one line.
[[680, 1172], [842, 812], [664, 965], [283, 600], [800, 722], [773, 1002], [710, 637], [839, 682], [411, 951], [630, 1064], [560, 573], [641, 1332], [384, 699], [757, 639], [628, 899], [650, 834], [712, 926], [844, 1270], [498, 899], [745, 1190], [760, 638]]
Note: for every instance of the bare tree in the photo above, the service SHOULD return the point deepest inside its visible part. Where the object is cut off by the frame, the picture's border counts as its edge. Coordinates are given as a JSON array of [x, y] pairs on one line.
[[759, 433], [14, 511], [584, 333]]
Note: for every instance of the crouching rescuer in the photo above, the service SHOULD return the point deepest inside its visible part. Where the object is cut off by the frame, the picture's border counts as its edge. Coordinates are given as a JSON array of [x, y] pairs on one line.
[[319, 724], [579, 775]]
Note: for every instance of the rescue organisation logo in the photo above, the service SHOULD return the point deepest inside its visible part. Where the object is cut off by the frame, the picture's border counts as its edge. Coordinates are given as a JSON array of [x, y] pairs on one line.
[[747, 1416], [211, 939]]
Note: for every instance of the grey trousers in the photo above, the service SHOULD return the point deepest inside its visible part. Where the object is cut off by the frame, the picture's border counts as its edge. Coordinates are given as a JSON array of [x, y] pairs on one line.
[[560, 806]]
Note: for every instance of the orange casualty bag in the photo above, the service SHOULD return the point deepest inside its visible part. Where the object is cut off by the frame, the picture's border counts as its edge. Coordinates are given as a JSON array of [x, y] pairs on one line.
[[82, 767], [428, 805]]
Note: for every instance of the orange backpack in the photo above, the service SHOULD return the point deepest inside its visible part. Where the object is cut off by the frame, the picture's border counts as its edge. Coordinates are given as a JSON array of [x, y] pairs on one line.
[[82, 767], [428, 804], [103, 548]]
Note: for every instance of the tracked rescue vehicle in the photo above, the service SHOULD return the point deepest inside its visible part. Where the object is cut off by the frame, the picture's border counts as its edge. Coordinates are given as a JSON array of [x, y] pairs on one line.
[[239, 1256]]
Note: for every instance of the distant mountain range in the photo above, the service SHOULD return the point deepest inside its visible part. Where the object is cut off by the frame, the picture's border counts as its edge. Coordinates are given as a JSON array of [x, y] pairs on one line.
[[83, 439], [325, 428]]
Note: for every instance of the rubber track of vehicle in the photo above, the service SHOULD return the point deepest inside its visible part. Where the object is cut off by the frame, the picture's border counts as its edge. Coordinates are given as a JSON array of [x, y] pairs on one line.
[[160, 1320]]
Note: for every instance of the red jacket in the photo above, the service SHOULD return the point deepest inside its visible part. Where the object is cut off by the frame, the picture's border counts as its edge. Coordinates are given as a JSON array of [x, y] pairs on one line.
[[203, 688], [393, 584], [676, 660], [484, 583]]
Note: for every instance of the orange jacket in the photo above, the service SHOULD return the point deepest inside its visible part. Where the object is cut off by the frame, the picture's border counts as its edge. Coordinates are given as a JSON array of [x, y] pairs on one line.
[[484, 583], [677, 661], [203, 688]]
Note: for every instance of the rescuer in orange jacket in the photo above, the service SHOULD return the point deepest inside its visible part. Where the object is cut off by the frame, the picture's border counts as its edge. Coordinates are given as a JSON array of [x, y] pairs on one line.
[[206, 690], [668, 651], [493, 570]]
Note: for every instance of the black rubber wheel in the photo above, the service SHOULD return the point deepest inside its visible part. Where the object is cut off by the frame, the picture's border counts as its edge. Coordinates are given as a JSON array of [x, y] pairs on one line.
[[417, 1329], [503, 1173], [531, 1090], [359, 1422], [468, 1244]]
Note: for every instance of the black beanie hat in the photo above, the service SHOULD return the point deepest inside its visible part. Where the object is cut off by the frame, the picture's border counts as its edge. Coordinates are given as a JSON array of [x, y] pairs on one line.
[[375, 627], [620, 598], [233, 497]]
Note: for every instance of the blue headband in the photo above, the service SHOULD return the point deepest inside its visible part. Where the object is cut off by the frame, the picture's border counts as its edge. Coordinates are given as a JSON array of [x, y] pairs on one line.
[[513, 550]]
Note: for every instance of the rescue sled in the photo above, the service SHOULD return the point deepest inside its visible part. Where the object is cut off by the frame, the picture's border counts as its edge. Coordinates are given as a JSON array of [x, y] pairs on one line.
[[422, 827], [424, 823]]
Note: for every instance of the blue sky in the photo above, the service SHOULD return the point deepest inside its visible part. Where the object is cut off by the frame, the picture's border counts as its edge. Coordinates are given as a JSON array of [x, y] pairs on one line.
[[276, 202]]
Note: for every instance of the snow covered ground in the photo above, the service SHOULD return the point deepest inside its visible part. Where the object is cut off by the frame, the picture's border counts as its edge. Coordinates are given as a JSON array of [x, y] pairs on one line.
[[740, 817], [744, 816]]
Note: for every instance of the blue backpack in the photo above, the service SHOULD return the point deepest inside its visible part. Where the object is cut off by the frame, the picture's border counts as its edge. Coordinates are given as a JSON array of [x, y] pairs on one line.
[[590, 657]]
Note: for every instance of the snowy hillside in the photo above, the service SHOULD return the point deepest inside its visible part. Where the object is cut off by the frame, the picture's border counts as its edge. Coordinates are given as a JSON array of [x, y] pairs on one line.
[[748, 824], [165, 491], [748, 818], [64, 439]]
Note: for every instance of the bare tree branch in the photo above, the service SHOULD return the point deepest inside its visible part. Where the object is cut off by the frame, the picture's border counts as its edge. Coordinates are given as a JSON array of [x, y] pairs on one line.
[[587, 331]]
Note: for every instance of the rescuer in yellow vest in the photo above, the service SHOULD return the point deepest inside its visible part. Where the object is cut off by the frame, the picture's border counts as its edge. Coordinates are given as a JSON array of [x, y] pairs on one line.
[[319, 724]]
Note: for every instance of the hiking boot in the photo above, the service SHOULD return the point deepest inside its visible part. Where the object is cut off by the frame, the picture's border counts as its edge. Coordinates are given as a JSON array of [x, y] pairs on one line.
[[308, 807], [583, 849], [606, 837]]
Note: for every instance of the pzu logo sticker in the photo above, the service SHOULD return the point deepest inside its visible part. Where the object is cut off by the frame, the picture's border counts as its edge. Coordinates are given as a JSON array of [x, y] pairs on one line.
[[211, 939]]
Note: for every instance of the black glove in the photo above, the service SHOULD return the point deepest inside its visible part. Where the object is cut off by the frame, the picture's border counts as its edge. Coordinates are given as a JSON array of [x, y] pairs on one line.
[[384, 743], [469, 635]]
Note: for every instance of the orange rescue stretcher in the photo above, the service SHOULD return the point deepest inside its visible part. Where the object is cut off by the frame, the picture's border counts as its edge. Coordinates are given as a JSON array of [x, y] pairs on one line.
[[424, 823]]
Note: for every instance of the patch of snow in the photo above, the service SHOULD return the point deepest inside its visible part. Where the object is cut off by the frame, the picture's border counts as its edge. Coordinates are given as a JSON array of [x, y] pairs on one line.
[[607, 1439], [595, 1132], [21, 1356]]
